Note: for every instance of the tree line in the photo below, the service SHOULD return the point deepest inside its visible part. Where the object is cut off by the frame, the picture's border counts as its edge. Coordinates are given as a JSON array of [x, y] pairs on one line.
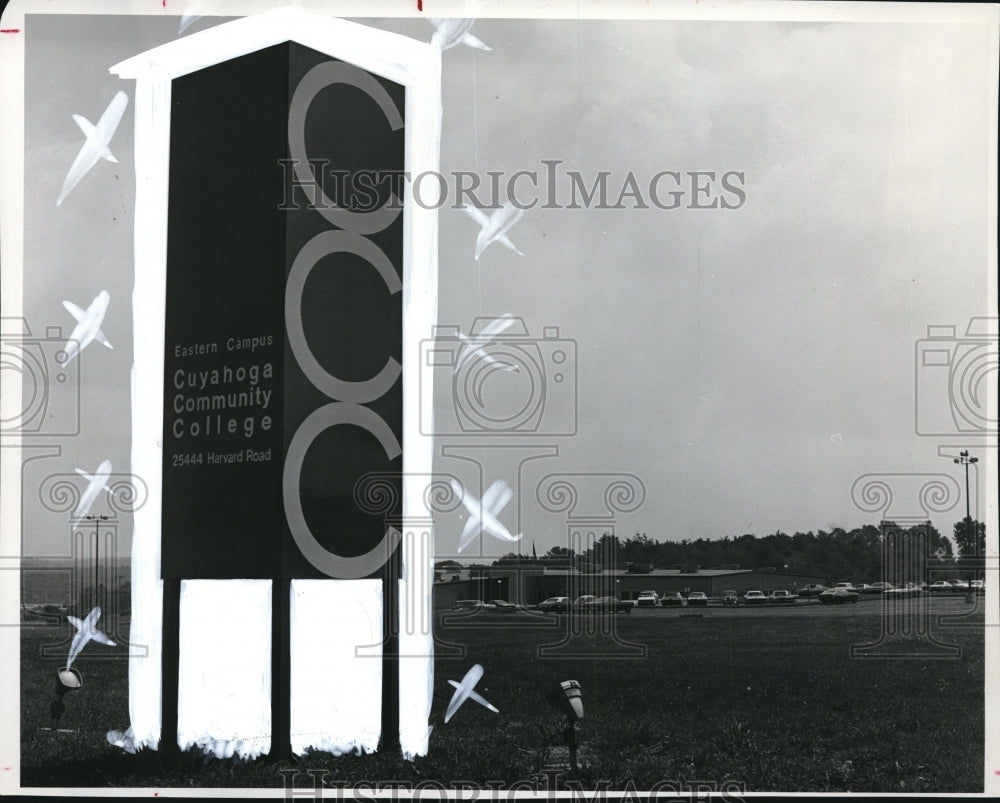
[[854, 554]]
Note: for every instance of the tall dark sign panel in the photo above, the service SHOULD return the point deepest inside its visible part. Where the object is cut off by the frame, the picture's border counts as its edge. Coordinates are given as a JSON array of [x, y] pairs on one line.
[[223, 362], [282, 385]]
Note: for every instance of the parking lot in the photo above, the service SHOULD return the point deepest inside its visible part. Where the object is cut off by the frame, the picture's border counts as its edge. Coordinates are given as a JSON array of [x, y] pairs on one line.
[[951, 607], [866, 606]]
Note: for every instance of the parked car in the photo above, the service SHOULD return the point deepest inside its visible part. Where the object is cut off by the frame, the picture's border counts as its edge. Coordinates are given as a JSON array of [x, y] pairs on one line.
[[941, 586], [754, 598], [848, 586], [906, 590], [697, 598], [647, 599], [979, 586], [812, 590], [554, 605], [583, 599], [671, 599], [781, 596], [838, 596], [468, 605], [730, 598], [600, 605], [862, 588], [876, 588], [504, 606]]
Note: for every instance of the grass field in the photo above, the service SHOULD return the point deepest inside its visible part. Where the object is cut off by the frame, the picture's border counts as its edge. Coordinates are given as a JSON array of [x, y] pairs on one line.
[[766, 700]]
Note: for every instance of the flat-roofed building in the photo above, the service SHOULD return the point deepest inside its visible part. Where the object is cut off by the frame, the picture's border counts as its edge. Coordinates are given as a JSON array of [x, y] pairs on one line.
[[529, 582]]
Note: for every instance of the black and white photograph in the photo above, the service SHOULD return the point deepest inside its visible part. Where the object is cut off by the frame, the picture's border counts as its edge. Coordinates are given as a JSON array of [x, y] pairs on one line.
[[495, 400]]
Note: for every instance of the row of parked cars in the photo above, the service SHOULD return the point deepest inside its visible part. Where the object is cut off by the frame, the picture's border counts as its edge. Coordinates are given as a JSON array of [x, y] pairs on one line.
[[840, 594], [958, 586], [650, 599], [587, 603], [851, 591], [500, 605]]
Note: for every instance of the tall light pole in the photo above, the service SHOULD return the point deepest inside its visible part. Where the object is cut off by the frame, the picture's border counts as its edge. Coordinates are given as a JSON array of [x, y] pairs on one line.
[[963, 459], [97, 555]]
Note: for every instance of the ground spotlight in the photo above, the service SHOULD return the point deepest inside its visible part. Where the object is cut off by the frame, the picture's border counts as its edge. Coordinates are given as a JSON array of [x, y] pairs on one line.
[[567, 697], [68, 679]]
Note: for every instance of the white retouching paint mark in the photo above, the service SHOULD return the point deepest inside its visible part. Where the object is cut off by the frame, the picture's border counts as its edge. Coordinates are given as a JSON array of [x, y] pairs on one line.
[[336, 695], [415, 65], [493, 228], [124, 739], [224, 667], [86, 630], [96, 145], [465, 690], [451, 32], [194, 11], [152, 148], [96, 482], [88, 326], [420, 275], [473, 345], [483, 513]]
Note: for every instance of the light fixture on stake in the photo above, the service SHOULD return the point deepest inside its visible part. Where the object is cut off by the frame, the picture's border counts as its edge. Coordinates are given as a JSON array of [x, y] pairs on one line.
[[964, 460], [97, 554], [567, 697], [67, 680]]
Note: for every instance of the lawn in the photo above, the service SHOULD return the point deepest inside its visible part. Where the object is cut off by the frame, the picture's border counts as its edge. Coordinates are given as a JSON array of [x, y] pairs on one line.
[[759, 702]]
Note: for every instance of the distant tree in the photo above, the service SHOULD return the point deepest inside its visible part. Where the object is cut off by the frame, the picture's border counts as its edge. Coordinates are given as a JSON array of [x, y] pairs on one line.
[[970, 535], [937, 545], [638, 550], [605, 551]]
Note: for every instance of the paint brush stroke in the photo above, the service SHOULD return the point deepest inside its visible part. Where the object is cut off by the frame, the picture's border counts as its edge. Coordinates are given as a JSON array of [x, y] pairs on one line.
[[152, 141], [96, 145], [336, 695], [88, 326], [86, 631], [96, 482], [224, 670], [493, 228]]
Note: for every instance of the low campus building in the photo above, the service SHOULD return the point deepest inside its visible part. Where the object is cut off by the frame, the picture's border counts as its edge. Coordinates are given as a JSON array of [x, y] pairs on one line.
[[529, 582]]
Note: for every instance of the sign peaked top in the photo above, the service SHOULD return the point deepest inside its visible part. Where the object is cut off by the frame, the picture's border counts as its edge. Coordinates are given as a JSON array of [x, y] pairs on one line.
[[397, 58]]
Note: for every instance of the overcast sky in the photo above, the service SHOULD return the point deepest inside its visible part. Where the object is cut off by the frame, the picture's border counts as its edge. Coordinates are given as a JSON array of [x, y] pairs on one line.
[[747, 364]]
